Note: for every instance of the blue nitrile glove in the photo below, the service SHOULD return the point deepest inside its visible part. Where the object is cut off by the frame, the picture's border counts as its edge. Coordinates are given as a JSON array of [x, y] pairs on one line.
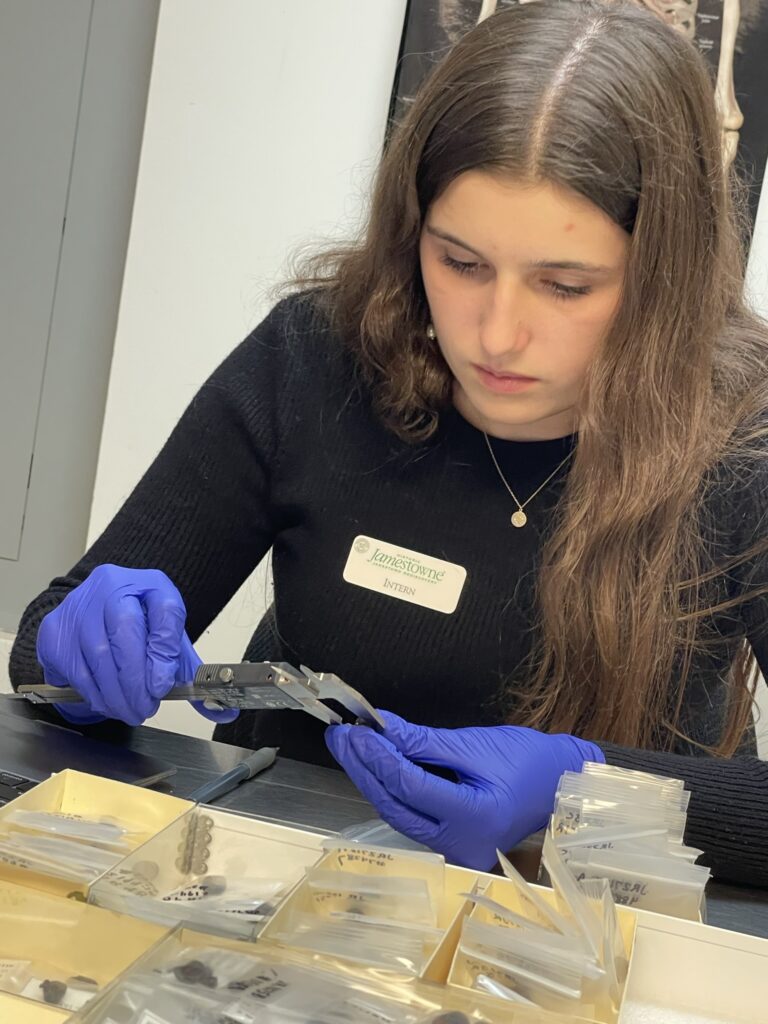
[[507, 776], [119, 640]]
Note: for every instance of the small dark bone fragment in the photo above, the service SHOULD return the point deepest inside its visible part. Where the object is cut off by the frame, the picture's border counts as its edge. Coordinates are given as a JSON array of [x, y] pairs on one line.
[[195, 972], [53, 991]]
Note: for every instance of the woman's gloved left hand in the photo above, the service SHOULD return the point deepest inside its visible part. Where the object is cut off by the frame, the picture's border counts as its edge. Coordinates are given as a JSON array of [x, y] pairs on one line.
[[507, 778]]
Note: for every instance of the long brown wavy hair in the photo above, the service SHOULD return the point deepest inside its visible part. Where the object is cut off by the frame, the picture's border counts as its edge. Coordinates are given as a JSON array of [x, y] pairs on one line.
[[603, 99]]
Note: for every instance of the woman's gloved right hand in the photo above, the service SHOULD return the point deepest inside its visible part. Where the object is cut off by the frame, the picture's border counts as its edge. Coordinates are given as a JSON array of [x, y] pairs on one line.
[[119, 640]]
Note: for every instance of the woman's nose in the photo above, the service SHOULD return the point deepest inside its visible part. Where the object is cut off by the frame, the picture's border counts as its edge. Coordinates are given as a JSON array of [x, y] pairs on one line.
[[505, 327]]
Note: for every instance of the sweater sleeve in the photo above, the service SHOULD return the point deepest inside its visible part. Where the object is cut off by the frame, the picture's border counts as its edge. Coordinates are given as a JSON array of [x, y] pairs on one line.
[[728, 811], [202, 512]]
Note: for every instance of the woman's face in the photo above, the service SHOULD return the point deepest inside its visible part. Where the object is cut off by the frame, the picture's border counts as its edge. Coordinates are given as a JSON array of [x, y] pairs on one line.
[[522, 282]]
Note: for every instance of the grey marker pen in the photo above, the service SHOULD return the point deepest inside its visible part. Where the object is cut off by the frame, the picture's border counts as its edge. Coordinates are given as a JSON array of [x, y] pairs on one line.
[[246, 769]]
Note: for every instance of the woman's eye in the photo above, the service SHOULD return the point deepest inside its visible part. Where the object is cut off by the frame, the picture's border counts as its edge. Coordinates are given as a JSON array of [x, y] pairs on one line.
[[458, 265], [561, 291], [567, 291]]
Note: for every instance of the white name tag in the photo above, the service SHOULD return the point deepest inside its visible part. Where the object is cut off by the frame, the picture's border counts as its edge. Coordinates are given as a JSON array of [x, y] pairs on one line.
[[406, 575]]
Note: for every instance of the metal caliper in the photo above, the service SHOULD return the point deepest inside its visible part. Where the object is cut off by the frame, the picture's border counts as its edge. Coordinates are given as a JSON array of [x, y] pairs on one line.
[[249, 685]]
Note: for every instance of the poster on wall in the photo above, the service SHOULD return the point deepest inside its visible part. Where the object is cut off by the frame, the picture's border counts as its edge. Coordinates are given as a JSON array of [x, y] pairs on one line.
[[731, 34]]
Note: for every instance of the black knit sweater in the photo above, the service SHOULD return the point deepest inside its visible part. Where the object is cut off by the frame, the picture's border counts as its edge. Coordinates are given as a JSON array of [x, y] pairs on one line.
[[280, 449]]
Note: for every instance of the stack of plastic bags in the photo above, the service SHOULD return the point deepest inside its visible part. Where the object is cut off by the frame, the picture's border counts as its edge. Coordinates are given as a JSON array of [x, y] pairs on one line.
[[569, 958], [627, 827], [615, 837], [70, 847]]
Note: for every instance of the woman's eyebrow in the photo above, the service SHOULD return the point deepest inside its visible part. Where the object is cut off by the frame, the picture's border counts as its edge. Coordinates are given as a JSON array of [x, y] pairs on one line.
[[592, 268], [446, 237]]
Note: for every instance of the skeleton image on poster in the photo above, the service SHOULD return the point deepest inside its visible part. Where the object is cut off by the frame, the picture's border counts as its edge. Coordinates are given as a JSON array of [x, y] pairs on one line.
[[731, 34]]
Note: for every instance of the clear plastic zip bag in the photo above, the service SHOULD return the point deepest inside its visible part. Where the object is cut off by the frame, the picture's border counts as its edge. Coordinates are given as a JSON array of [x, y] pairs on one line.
[[504, 917], [571, 901], [383, 861], [209, 985], [501, 917], [630, 838], [14, 974], [659, 884], [549, 977], [575, 812], [532, 904], [250, 897], [57, 991], [635, 807], [638, 789], [65, 846], [240, 908], [396, 945], [93, 858], [74, 862], [494, 987], [401, 899], [631, 775], [614, 956], [164, 1004], [380, 833], [541, 952], [92, 831]]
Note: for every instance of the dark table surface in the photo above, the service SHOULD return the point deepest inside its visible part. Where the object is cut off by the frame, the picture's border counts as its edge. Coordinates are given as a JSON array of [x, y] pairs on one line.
[[321, 798]]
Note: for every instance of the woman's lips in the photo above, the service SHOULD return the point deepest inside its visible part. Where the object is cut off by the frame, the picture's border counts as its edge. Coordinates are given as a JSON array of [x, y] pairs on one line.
[[502, 383]]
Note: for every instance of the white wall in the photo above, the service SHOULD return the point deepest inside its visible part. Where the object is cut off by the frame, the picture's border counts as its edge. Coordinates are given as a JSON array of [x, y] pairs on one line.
[[264, 122], [6, 642], [757, 290], [757, 269]]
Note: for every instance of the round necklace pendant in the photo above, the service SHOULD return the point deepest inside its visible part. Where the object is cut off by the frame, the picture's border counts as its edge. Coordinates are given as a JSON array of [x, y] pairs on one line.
[[519, 518]]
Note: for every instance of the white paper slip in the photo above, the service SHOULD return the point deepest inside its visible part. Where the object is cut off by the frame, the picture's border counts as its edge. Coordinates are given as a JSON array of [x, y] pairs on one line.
[[405, 575]]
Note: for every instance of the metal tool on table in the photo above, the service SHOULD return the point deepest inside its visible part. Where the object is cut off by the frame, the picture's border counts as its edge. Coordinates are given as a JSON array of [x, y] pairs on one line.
[[244, 770], [249, 685]]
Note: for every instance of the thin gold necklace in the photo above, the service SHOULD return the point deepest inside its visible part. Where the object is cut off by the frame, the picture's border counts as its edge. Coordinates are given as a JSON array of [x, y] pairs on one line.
[[519, 518]]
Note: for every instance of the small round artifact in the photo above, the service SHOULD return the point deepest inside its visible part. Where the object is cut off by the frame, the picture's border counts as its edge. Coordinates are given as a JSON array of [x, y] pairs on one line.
[[53, 991]]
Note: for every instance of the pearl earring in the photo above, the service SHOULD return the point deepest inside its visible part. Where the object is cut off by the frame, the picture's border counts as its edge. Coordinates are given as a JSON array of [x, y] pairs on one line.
[[431, 332]]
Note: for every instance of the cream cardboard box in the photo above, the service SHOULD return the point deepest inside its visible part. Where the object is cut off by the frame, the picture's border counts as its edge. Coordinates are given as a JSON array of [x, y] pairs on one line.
[[452, 883], [44, 937], [74, 793], [14, 1010], [503, 892], [686, 973], [243, 856], [424, 1000], [680, 972]]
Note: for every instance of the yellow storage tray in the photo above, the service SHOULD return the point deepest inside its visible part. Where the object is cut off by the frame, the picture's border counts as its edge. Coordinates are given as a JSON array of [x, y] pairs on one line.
[[75, 793], [14, 1010], [206, 842], [63, 938]]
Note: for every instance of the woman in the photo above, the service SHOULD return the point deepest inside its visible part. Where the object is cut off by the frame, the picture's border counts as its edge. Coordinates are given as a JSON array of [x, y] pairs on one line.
[[507, 451]]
